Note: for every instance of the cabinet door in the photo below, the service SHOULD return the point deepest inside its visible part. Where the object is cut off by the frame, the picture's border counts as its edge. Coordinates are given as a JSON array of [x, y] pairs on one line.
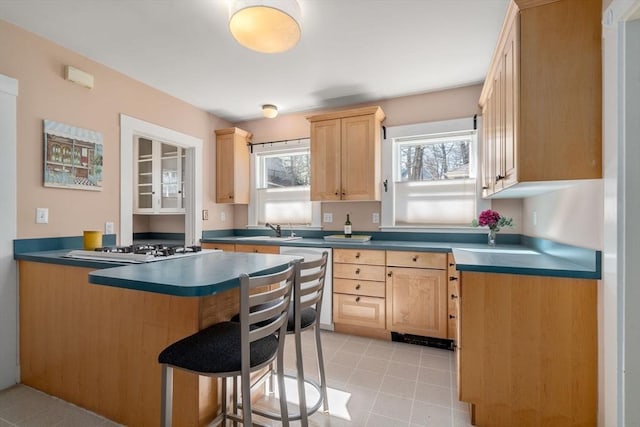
[[359, 310], [488, 157], [144, 175], [224, 169], [510, 111], [360, 159], [171, 177], [325, 160], [417, 301]]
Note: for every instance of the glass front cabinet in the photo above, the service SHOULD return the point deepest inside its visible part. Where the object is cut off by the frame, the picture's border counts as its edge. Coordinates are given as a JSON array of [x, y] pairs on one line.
[[159, 177]]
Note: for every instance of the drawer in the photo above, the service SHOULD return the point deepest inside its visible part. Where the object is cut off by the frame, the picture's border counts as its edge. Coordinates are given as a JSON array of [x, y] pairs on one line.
[[359, 311], [359, 272], [417, 259], [357, 256], [263, 249], [227, 247], [359, 287]]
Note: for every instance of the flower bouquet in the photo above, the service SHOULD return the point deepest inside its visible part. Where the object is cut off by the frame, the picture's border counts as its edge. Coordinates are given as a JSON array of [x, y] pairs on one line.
[[494, 221]]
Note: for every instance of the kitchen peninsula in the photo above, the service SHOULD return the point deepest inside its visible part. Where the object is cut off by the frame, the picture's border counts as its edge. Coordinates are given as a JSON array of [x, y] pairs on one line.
[[97, 346]]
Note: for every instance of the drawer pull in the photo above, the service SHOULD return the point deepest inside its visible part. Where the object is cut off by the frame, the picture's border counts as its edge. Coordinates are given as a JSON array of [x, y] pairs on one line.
[[453, 278], [357, 271], [357, 299], [454, 296], [255, 251], [415, 258], [357, 255], [389, 274], [451, 316], [358, 286], [451, 264]]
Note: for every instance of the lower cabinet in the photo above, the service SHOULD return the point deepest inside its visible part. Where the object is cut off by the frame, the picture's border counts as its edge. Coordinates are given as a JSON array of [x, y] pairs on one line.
[[258, 249], [416, 298], [359, 291], [227, 247], [453, 298]]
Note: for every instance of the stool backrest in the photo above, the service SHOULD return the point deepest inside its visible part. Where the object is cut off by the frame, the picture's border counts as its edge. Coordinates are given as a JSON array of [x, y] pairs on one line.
[[309, 284]]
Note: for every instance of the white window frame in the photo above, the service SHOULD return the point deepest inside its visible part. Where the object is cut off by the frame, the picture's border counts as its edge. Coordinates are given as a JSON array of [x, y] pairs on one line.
[[276, 148], [389, 156]]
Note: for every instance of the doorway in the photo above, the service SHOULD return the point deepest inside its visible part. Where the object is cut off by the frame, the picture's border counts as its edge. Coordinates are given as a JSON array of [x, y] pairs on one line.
[[132, 128]]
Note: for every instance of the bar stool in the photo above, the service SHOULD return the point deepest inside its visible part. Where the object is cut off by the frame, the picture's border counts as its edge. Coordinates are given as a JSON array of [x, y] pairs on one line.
[[304, 314], [232, 349]]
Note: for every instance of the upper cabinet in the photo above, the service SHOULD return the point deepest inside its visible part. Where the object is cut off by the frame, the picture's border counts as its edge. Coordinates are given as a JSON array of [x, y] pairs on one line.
[[345, 154], [159, 177], [542, 99], [232, 165]]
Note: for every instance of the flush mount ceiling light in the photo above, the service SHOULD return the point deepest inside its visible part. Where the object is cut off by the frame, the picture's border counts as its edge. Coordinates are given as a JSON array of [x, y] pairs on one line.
[[268, 26], [269, 111]]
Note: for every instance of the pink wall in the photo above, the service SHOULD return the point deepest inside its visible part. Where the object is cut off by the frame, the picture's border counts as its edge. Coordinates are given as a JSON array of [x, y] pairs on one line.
[[38, 65]]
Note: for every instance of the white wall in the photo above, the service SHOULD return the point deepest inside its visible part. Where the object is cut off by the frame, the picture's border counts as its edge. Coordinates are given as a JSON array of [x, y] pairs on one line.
[[8, 275], [572, 215]]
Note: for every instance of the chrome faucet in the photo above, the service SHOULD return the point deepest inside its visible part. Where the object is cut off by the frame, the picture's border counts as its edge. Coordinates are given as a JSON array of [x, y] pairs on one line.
[[277, 229]]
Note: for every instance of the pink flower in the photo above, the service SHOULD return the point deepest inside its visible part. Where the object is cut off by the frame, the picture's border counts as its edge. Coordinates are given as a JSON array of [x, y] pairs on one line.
[[489, 218]]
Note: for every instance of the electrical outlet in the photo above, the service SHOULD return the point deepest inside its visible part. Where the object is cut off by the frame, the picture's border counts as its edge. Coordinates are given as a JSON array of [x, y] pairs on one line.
[[108, 228], [375, 217], [42, 215], [205, 214], [327, 217], [535, 218], [223, 216]]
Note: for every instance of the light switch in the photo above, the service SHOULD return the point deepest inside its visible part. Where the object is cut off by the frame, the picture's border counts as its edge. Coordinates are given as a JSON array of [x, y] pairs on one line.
[[327, 217], [375, 217], [108, 228], [42, 215]]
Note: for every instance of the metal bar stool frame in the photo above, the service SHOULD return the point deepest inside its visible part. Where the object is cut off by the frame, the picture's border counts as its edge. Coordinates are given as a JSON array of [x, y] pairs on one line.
[[268, 322]]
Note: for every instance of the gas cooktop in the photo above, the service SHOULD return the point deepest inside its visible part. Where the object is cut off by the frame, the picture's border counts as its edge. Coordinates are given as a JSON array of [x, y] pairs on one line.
[[138, 253]]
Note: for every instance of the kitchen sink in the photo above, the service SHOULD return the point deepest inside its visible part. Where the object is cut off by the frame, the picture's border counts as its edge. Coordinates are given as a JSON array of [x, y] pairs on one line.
[[271, 238], [518, 251]]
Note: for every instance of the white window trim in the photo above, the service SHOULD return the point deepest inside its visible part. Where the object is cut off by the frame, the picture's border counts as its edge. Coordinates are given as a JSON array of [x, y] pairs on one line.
[[276, 147], [389, 157]]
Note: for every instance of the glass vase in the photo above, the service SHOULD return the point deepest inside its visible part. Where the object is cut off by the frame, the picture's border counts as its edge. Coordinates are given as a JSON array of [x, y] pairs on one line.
[[491, 237]]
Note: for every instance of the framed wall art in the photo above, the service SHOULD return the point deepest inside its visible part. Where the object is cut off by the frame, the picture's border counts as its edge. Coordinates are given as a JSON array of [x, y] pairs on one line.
[[72, 157]]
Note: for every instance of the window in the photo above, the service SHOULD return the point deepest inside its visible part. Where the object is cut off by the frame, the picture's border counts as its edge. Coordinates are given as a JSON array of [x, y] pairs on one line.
[[281, 184], [433, 170]]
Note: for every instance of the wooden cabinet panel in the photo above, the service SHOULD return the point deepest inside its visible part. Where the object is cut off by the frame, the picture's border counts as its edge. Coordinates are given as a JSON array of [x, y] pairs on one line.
[[227, 247], [528, 349], [417, 301], [359, 310], [453, 298], [357, 256], [345, 154], [542, 99], [417, 259], [263, 249], [359, 287], [359, 272], [325, 160], [232, 165]]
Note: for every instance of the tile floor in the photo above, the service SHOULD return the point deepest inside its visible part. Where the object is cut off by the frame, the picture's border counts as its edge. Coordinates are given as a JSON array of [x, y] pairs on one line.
[[371, 383]]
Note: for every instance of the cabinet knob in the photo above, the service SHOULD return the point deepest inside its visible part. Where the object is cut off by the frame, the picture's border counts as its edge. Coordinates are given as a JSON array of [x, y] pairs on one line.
[[358, 286], [389, 274], [451, 264], [485, 187], [357, 255], [454, 296], [499, 177], [453, 278], [415, 258], [337, 192], [255, 251], [357, 271], [357, 299], [231, 196], [452, 316]]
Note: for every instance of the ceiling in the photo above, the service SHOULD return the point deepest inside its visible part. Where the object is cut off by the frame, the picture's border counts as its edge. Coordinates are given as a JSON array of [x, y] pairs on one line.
[[351, 51]]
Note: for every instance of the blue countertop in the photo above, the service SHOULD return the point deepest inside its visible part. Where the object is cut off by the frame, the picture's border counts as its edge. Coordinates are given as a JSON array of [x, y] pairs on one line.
[[533, 257], [197, 275]]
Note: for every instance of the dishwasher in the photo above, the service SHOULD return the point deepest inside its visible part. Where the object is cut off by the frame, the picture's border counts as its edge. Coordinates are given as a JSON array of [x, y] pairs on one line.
[[309, 253]]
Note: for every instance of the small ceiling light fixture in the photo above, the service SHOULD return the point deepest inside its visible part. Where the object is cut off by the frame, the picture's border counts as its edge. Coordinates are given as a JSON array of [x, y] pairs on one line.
[[269, 111], [268, 26]]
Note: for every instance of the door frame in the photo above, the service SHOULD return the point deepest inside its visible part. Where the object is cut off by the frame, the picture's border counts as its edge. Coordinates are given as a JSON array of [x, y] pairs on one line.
[[130, 128]]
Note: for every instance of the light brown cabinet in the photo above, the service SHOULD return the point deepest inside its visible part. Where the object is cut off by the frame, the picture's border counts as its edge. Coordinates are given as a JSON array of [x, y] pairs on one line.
[[345, 154], [232, 166], [416, 296], [542, 99], [358, 293], [453, 298], [227, 247], [258, 249], [528, 349]]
